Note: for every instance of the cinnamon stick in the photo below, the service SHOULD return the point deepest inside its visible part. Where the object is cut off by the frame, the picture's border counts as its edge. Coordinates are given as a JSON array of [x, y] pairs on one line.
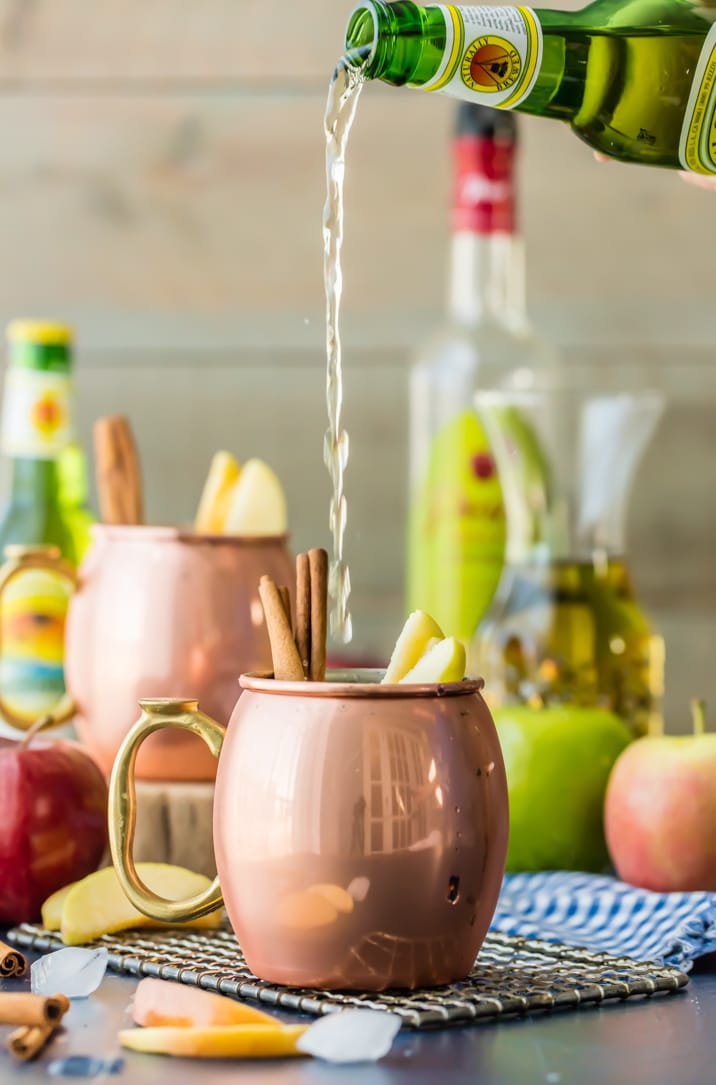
[[24, 1008], [117, 470], [286, 600], [318, 566], [28, 1041], [286, 662], [12, 962], [303, 611]]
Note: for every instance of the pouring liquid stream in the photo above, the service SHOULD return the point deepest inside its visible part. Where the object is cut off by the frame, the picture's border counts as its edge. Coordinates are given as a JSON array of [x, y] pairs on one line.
[[343, 94]]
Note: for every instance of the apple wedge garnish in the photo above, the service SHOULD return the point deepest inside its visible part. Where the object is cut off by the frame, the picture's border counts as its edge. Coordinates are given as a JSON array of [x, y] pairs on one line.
[[443, 662], [413, 641], [224, 473], [97, 905], [258, 503]]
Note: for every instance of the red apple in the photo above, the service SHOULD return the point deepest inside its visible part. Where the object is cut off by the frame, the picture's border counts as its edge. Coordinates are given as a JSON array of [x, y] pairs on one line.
[[660, 811], [53, 821]]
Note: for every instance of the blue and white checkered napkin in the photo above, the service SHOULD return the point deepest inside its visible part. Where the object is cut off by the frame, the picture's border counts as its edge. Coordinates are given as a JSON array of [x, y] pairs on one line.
[[605, 915]]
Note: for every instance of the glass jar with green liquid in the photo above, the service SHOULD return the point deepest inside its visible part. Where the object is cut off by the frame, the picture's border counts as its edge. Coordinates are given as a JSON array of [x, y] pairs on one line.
[[635, 80], [565, 626], [45, 508]]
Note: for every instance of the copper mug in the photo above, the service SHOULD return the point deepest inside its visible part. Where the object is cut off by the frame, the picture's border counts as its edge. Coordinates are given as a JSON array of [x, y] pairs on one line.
[[156, 608], [360, 829]]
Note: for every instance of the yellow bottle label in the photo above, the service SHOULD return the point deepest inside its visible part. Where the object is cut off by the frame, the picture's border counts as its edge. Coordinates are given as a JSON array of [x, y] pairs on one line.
[[491, 53], [697, 146], [32, 628], [36, 419]]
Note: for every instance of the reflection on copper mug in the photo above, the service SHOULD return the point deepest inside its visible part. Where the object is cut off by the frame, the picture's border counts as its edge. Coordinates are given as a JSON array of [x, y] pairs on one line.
[[360, 829], [156, 610]]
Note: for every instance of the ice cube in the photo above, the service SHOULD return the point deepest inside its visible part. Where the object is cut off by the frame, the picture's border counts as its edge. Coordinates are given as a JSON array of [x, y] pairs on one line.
[[358, 888], [73, 971], [351, 1036], [84, 1066]]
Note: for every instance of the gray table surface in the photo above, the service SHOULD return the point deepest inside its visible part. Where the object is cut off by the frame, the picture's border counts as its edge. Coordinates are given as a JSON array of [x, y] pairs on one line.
[[665, 1040]]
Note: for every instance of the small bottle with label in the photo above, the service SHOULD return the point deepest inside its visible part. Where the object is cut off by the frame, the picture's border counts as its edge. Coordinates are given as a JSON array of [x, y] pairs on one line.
[[36, 434], [456, 532]]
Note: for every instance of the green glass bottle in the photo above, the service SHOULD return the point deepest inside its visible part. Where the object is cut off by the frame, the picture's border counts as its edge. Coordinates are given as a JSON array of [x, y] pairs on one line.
[[635, 80], [43, 508]]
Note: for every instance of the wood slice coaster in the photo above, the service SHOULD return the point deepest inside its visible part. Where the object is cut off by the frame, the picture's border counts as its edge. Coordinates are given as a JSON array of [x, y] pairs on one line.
[[174, 824]]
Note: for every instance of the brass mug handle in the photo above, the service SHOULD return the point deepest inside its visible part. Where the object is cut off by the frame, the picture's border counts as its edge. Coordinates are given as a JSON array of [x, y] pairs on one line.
[[19, 560], [156, 714]]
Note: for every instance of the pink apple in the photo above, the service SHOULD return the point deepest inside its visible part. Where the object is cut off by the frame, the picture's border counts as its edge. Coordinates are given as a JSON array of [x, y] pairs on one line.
[[53, 821], [660, 811]]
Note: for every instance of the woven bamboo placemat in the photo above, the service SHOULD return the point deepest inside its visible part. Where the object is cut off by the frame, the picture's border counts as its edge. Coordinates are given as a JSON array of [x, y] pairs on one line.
[[512, 976]]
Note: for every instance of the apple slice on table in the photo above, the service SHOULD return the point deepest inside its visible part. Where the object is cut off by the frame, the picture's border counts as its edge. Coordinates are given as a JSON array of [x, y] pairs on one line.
[[419, 631], [216, 1042], [224, 473], [258, 503], [97, 904], [51, 912], [443, 661], [165, 1004]]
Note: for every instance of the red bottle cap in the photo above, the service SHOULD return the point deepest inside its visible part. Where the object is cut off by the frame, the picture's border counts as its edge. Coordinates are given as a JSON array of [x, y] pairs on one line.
[[484, 150]]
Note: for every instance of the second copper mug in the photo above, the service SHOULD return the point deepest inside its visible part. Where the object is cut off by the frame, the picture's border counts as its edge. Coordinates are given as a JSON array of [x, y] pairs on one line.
[[155, 609], [360, 829]]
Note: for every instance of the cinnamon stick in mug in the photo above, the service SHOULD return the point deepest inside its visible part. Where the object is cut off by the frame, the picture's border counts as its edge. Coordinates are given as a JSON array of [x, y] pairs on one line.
[[28, 1041], [24, 1008], [286, 600], [318, 564], [303, 611], [118, 474], [286, 662], [12, 962]]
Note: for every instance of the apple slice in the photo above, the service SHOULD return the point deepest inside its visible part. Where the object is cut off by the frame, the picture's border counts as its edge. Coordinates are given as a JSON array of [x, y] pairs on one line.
[[411, 644], [258, 503], [51, 911], [163, 1004], [224, 473], [97, 905], [340, 898], [444, 662], [305, 910], [221, 1041]]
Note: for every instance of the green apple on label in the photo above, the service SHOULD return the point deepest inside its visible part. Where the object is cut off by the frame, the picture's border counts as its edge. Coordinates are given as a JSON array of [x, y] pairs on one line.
[[558, 760], [660, 811]]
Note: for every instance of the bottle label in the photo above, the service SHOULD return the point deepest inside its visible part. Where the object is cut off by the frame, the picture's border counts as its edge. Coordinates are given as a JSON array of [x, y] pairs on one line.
[[32, 627], [697, 145], [457, 529], [491, 53], [36, 418], [484, 201]]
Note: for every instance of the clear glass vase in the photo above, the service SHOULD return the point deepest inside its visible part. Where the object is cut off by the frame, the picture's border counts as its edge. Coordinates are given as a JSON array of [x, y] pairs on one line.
[[565, 625]]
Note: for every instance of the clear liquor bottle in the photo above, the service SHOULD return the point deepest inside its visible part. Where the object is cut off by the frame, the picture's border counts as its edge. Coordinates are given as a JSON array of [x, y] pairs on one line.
[[456, 529]]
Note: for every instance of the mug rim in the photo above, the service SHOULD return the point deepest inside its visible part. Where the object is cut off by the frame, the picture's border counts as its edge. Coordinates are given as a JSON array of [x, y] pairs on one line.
[[174, 533], [339, 685]]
